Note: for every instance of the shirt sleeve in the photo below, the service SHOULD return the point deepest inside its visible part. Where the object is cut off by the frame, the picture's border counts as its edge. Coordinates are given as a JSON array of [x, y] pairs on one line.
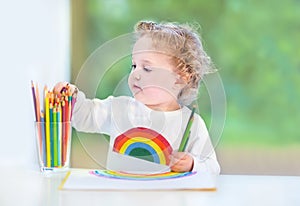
[[202, 150], [91, 115]]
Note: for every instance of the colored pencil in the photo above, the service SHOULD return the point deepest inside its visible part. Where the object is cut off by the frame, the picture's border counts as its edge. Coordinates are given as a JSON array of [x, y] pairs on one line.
[[38, 106], [47, 125], [34, 100], [186, 133], [51, 131], [43, 138], [59, 135], [70, 108], [63, 130], [55, 151]]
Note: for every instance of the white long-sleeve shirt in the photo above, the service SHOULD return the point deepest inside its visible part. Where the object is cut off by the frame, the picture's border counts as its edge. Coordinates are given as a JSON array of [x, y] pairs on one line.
[[127, 121]]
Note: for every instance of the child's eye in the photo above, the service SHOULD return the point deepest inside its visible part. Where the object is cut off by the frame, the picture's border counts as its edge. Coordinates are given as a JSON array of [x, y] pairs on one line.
[[133, 66], [147, 69]]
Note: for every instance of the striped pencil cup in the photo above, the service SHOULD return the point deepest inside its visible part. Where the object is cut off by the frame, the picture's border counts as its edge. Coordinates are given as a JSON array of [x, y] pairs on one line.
[[53, 145]]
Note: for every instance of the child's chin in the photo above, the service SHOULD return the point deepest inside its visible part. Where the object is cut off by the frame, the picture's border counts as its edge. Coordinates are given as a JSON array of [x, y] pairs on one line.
[[141, 99]]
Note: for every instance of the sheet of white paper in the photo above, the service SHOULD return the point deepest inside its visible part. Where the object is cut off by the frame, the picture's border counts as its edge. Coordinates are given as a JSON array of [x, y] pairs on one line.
[[120, 162], [83, 180]]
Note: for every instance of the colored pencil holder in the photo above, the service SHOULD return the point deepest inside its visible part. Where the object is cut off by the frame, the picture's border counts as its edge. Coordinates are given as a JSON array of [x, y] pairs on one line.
[[53, 145]]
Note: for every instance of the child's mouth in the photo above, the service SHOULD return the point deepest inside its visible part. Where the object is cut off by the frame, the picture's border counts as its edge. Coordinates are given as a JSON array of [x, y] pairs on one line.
[[136, 88]]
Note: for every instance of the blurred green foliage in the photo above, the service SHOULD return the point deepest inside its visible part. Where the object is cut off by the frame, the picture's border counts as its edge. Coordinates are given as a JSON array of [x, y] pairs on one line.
[[255, 44]]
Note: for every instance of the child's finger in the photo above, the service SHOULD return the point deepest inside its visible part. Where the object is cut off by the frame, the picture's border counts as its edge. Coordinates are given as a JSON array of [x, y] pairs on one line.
[[59, 86], [179, 155], [176, 160], [73, 89], [178, 167]]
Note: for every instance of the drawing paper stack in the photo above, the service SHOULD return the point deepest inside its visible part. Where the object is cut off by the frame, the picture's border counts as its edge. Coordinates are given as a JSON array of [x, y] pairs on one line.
[[83, 179]]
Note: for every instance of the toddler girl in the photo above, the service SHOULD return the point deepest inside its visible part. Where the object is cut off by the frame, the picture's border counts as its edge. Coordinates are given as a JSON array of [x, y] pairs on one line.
[[168, 62]]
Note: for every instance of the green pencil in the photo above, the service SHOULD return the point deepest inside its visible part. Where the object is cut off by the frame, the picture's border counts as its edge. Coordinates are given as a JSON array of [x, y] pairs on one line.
[[187, 132]]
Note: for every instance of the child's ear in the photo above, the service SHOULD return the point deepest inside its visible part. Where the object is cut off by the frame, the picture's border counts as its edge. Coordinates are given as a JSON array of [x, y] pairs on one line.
[[183, 78], [186, 77]]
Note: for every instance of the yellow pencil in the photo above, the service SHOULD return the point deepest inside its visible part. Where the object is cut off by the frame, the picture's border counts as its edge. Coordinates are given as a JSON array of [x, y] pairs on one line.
[[47, 117]]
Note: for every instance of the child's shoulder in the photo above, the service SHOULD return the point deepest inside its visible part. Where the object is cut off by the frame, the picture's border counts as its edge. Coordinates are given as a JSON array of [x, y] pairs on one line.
[[197, 116]]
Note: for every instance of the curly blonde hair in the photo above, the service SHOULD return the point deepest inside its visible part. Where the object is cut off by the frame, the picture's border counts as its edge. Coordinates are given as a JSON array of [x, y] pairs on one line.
[[183, 43]]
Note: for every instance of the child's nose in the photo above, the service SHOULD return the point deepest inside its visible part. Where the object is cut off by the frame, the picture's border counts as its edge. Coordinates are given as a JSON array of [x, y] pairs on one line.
[[137, 75]]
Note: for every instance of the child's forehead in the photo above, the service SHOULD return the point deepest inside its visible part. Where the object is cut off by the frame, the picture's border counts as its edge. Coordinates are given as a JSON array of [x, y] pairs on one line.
[[146, 43], [143, 43], [145, 52], [152, 58]]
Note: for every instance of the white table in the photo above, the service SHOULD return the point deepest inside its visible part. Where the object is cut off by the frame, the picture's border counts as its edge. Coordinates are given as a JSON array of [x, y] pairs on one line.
[[31, 188]]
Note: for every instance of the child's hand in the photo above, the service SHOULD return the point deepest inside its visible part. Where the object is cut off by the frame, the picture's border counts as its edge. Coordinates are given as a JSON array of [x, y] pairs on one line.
[[181, 162], [61, 85]]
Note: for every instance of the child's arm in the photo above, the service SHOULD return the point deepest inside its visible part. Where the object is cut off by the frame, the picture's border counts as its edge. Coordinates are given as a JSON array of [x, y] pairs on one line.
[[199, 155], [89, 115], [202, 150]]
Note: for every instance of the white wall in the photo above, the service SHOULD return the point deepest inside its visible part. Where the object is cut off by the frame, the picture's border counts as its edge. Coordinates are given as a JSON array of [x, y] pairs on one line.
[[34, 45]]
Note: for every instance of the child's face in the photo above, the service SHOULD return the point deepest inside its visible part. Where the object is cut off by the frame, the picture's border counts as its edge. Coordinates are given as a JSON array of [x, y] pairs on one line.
[[153, 80]]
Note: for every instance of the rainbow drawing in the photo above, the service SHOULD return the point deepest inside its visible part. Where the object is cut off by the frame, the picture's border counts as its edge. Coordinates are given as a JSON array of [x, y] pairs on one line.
[[129, 176], [144, 143]]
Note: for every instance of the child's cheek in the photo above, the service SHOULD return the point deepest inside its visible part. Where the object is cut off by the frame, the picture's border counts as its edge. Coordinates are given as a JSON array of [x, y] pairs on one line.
[[161, 79]]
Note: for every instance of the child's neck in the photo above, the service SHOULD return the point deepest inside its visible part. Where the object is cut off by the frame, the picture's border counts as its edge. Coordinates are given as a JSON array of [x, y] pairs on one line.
[[164, 107]]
